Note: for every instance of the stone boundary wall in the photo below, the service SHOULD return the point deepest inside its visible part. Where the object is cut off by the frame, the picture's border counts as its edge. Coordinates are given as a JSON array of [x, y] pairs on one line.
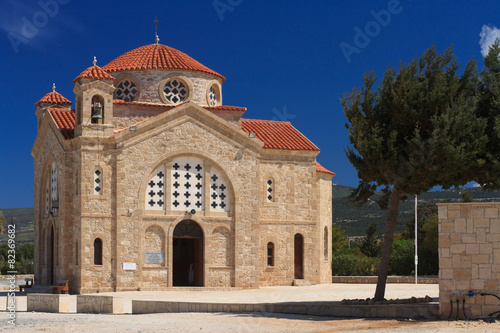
[[335, 309], [390, 279], [58, 303], [18, 276], [469, 258], [99, 304]]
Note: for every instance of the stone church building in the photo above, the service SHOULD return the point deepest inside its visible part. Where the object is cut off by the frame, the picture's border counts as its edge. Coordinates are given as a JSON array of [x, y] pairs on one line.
[[151, 182]]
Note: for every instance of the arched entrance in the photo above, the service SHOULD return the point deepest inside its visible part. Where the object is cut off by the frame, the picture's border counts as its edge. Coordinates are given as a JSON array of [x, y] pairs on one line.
[[187, 254], [298, 257]]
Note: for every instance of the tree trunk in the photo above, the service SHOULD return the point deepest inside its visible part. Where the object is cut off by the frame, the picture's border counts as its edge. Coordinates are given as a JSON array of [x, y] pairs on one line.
[[392, 217]]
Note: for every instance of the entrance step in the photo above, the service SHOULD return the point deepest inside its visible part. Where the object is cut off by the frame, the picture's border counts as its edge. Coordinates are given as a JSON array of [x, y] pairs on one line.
[[301, 283]]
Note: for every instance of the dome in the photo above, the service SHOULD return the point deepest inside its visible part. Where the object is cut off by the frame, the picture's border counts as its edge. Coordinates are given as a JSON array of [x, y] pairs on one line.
[[157, 56]]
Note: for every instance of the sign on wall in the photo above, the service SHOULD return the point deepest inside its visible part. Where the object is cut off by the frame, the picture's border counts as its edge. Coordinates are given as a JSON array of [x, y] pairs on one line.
[[153, 257], [129, 266]]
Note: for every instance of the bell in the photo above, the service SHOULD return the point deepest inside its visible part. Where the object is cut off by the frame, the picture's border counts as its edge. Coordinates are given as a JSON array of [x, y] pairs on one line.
[[96, 114]]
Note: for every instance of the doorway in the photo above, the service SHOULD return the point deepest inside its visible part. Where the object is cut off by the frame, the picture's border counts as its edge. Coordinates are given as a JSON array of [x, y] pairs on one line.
[[298, 257], [187, 255]]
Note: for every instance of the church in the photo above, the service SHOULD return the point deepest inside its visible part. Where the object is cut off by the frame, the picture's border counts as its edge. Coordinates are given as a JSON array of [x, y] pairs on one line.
[[150, 182]]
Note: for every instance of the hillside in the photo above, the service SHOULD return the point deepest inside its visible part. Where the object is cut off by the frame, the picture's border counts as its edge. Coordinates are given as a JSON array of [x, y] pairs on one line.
[[23, 219], [354, 220]]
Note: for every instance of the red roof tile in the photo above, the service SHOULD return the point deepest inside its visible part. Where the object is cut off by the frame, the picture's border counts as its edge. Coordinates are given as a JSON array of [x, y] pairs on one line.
[[65, 121], [320, 168], [157, 56], [169, 107], [94, 72], [53, 98], [278, 135]]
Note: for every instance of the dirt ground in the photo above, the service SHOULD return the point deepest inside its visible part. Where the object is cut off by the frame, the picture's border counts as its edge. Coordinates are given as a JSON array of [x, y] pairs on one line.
[[227, 322]]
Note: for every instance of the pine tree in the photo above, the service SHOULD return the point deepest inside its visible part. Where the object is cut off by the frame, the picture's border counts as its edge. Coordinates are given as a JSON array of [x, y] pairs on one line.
[[417, 130], [489, 109]]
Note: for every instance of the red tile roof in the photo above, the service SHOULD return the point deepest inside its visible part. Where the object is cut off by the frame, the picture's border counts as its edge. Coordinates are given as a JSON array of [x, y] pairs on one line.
[[278, 135], [169, 107], [94, 72], [320, 168], [65, 120], [157, 56], [53, 98]]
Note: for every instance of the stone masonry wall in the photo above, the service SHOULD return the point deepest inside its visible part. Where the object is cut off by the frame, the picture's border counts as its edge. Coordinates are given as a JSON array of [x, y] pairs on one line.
[[469, 257]]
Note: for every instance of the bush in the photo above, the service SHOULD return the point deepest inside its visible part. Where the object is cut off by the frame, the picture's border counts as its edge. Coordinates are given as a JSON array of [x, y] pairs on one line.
[[350, 264], [402, 260]]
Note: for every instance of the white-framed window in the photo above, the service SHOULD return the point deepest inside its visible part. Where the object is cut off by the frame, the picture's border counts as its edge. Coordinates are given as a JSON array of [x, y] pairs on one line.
[[155, 192], [175, 91]]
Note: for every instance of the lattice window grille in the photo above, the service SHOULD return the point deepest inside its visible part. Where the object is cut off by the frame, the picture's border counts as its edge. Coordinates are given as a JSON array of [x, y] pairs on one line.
[[175, 91], [270, 190], [53, 182], [155, 192], [98, 181], [47, 199], [212, 96], [187, 184], [126, 90], [219, 197]]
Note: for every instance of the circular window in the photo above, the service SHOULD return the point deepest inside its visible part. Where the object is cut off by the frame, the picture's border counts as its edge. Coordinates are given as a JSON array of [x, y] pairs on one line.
[[126, 90], [175, 91]]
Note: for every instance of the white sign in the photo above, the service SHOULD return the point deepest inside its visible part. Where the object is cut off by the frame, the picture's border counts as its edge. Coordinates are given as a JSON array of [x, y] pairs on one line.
[[153, 257], [129, 266]]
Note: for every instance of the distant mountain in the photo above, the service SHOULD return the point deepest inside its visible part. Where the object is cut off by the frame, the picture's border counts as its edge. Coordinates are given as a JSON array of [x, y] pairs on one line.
[[354, 220], [23, 220]]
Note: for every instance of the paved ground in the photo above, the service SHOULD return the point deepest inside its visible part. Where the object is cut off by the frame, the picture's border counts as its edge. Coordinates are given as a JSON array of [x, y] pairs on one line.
[[316, 293], [320, 292], [227, 322], [243, 322]]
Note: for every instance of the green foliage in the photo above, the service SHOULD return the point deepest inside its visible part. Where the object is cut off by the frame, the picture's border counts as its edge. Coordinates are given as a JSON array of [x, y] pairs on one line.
[[370, 245], [2, 221], [339, 239], [417, 130], [467, 197], [489, 109], [402, 257], [428, 259], [350, 264], [23, 260]]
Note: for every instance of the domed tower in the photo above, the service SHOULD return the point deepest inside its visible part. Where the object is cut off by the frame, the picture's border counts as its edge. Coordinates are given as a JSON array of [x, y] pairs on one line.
[[158, 73], [94, 102], [51, 100]]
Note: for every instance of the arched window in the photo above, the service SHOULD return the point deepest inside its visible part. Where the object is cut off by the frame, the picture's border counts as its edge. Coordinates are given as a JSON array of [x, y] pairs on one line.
[[98, 181], [270, 190], [53, 186], [270, 254], [97, 251], [325, 243]]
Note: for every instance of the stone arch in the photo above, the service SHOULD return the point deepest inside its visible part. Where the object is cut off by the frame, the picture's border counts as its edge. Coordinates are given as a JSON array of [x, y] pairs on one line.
[[154, 242], [221, 247], [164, 161], [96, 102], [188, 268]]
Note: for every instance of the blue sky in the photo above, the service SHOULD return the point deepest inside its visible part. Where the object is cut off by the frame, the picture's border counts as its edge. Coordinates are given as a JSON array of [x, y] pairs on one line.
[[283, 60]]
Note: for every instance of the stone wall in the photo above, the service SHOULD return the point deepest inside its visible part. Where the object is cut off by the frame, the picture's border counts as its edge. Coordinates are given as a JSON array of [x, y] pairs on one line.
[[469, 257]]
